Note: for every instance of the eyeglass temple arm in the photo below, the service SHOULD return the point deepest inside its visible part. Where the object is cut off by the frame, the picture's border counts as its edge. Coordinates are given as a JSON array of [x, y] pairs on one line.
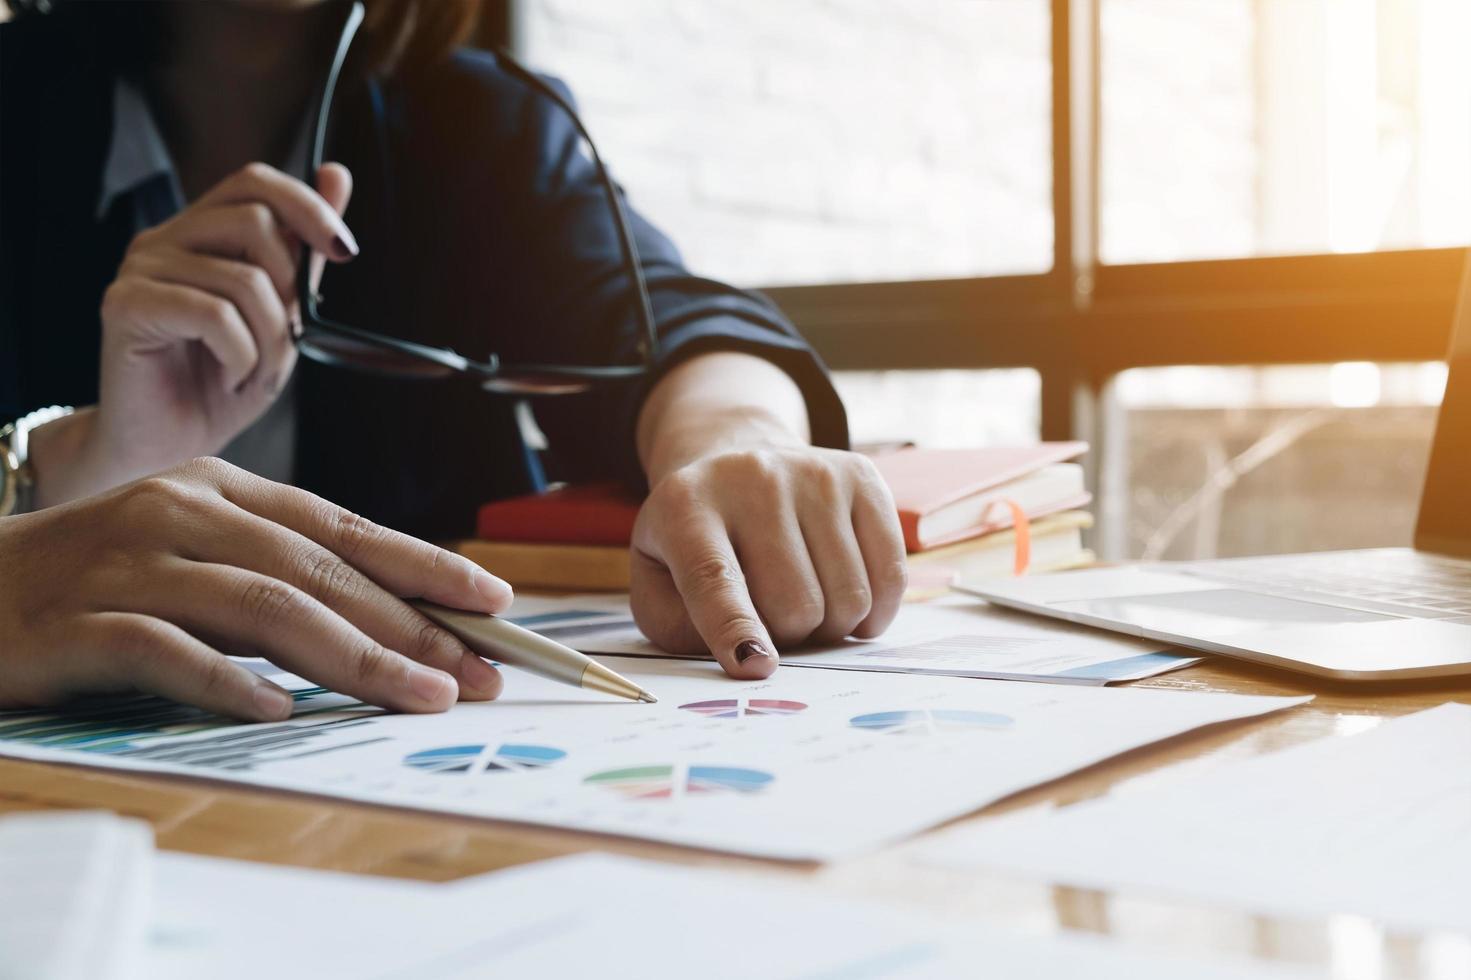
[[627, 247], [631, 264], [318, 148]]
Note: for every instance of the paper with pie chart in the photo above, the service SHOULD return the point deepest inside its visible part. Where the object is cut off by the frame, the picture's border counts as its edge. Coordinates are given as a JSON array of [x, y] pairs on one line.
[[955, 636], [806, 765]]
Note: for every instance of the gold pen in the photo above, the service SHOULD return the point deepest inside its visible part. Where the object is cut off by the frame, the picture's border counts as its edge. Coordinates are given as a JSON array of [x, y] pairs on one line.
[[502, 640]]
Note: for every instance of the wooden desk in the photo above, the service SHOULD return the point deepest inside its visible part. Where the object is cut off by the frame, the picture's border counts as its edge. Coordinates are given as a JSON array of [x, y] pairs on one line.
[[261, 825]]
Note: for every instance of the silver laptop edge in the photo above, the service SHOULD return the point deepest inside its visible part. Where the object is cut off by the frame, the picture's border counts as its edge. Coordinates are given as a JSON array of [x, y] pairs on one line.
[[1197, 605]]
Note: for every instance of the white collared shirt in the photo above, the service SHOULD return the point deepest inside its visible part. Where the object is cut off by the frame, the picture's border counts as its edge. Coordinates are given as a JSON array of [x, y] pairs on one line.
[[140, 169]]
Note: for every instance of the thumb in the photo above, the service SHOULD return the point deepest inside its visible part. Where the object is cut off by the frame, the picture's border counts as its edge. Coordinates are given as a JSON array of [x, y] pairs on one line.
[[334, 183]]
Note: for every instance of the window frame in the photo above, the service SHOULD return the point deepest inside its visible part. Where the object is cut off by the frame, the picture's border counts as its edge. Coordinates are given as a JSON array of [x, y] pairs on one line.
[[1083, 322]]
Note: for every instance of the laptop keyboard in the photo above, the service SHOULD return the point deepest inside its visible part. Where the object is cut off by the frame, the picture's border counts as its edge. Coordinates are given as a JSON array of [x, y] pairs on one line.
[[1432, 586]]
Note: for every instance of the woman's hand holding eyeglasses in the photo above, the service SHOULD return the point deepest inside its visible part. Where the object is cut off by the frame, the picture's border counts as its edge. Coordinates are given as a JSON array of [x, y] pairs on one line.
[[197, 326], [148, 586]]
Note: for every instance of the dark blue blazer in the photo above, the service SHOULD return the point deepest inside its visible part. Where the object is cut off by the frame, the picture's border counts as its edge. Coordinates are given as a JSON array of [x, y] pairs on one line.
[[483, 228]]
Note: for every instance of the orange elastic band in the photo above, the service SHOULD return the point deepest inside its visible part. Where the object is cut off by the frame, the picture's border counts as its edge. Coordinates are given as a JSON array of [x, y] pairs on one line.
[[1022, 526]]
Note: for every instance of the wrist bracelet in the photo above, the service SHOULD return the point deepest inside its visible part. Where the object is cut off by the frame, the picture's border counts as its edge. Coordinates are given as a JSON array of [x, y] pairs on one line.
[[17, 475]]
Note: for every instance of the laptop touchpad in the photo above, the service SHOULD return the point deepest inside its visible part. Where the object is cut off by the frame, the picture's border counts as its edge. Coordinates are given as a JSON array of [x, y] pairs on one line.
[[1214, 612]]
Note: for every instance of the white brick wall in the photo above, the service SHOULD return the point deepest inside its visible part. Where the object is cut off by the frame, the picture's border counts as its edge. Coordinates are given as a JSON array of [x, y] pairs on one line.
[[1179, 151], [783, 141], [1266, 127], [789, 141]]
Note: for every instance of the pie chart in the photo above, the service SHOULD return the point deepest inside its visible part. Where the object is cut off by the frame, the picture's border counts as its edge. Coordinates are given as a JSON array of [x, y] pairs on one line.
[[665, 782], [475, 758], [930, 722], [741, 707]]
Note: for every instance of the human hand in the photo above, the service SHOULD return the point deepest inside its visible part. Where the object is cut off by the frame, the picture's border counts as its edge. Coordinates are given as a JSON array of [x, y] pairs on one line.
[[148, 586], [746, 552], [197, 326]]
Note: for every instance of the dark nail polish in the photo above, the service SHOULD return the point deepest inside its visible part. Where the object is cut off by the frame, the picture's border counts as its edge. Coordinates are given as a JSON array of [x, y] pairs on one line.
[[749, 649], [344, 249]]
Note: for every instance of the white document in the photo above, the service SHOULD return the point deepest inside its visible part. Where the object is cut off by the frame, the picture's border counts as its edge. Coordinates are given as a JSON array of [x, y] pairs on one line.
[[589, 916], [957, 636], [74, 895], [807, 764], [1377, 824], [237, 920]]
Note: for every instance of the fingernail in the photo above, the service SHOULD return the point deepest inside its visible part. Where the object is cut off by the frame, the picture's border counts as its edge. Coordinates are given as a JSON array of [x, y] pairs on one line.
[[493, 590], [344, 246], [272, 703], [749, 649], [271, 383], [479, 674], [429, 684]]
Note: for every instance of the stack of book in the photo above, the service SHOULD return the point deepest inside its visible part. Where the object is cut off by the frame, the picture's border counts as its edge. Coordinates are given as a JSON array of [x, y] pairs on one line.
[[965, 512], [572, 537]]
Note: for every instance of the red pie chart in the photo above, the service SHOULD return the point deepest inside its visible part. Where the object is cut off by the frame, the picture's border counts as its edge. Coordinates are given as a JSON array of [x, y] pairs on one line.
[[742, 707]]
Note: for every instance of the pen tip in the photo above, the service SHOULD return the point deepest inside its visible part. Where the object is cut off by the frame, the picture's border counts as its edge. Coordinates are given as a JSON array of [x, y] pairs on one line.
[[647, 698]]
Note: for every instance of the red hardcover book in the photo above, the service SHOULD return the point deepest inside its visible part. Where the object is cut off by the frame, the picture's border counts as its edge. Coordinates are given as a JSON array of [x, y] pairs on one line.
[[592, 514]]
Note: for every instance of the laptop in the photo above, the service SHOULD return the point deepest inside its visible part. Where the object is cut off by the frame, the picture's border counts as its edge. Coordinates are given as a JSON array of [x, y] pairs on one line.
[[1375, 614]]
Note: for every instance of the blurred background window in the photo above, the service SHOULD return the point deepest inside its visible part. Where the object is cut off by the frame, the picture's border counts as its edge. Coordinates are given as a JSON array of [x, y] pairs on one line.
[[1235, 128], [948, 408], [830, 143], [798, 141], [1265, 127], [1207, 462]]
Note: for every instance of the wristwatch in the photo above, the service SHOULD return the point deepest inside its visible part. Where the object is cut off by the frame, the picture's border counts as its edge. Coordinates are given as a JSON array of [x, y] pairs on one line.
[[17, 478]]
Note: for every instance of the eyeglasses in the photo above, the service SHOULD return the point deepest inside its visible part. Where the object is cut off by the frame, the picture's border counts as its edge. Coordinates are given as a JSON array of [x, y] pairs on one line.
[[341, 345]]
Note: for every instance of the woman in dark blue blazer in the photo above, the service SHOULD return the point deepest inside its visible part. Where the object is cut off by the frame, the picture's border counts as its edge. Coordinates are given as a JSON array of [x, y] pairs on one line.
[[153, 209]]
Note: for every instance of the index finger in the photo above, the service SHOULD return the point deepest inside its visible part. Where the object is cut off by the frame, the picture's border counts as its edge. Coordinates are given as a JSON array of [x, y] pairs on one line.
[[703, 564], [301, 209], [403, 565]]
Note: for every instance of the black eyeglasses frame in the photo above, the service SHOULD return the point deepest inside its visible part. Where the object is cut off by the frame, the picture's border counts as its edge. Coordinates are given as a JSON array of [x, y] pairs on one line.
[[341, 345]]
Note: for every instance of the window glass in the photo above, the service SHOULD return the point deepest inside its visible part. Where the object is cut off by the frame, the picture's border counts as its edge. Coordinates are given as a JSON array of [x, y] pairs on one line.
[[1235, 128], [816, 141], [949, 409], [1205, 462]]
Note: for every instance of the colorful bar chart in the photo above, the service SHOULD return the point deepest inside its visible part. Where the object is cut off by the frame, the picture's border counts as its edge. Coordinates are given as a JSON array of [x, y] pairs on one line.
[[569, 623], [126, 726], [246, 747]]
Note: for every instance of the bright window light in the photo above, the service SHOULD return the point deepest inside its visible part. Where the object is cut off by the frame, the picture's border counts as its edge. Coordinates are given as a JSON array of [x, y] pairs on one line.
[[1353, 384]]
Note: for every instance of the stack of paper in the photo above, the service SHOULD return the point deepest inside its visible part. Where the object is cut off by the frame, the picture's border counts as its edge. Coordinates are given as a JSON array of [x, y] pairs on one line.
[[807, 764], [590, 916], [76, 904], [74, 896], [958, 636], [1377, 824], [74, 907]]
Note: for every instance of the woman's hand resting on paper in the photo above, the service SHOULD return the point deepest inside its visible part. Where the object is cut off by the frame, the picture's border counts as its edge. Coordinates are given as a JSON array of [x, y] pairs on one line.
[[751, 540], [148, 586]]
